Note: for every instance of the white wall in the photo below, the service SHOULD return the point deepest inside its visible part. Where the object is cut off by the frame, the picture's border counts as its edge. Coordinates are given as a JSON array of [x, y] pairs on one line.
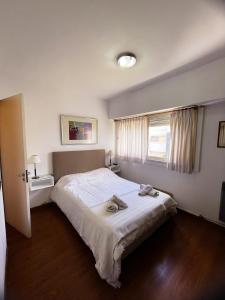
[[201, 84], [42, 112], [43, 124], [198, 192], [2, 248]]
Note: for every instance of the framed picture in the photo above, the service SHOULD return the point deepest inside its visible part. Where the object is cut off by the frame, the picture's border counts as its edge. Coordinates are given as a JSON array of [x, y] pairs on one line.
[[221, 135], [78, 130]]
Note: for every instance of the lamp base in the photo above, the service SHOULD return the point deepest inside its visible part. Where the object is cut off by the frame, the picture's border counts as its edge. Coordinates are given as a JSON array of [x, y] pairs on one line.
[[35, 177]]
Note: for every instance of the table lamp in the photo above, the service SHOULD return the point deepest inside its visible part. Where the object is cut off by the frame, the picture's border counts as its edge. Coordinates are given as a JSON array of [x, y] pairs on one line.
[[35, 159]]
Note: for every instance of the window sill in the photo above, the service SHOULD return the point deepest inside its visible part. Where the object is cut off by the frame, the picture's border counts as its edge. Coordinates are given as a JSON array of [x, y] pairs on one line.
[[147, 162], [155, 162]]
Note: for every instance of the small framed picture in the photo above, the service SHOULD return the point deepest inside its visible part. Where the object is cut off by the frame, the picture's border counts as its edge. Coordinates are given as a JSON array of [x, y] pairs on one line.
[[221, 135], [78, 130]]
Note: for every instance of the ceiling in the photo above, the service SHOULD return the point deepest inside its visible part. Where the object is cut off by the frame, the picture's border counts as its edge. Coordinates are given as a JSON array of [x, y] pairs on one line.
[[73, 43]]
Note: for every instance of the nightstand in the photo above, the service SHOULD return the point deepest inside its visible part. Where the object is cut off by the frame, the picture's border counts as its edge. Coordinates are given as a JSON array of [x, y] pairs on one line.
[[114, 168], [40, 190], [41, 183]]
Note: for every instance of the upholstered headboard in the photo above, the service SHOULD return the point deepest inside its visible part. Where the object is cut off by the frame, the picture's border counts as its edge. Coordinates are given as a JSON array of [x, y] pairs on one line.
[[70, 162]]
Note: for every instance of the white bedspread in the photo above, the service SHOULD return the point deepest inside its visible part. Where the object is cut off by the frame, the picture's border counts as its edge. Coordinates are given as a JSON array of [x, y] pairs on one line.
[[82, 197]]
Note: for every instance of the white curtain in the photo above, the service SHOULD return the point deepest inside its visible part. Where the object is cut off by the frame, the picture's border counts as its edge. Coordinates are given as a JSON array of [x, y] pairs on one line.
[[183, 128], [131, 139]]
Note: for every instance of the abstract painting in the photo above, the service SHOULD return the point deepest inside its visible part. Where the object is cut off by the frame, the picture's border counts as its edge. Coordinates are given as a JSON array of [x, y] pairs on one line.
[[78, 130]]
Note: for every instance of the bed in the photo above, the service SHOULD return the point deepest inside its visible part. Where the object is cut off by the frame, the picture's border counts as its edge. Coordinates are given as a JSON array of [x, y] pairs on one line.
[[82, 190]]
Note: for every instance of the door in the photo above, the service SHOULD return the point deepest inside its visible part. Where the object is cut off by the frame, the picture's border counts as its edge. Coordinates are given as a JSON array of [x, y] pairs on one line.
[[13, 163], [2, 247]]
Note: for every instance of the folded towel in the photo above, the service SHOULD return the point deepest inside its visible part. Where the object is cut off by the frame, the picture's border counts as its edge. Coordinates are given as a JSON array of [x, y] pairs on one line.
[[121, 204], [112, 207], [153, 193], [145, 189], [144, 186], [115, 204]]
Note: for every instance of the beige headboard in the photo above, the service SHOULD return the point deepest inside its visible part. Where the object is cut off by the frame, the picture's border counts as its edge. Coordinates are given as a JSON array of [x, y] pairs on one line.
[[70, 162]]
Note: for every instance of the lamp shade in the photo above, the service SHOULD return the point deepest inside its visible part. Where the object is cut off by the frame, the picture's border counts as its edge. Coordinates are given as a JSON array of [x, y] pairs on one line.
[[35, 159]]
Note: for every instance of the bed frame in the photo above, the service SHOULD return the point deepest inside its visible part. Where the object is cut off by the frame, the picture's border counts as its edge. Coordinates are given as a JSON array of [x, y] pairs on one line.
[[71, 162]]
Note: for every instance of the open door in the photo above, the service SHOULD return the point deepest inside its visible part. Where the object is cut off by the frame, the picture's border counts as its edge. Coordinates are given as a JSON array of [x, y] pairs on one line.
[[13, 164]]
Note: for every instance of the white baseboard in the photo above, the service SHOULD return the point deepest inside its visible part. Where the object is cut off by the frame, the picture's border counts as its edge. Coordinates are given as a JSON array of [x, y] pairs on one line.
[[215, 222], [188, 211], [201, 216]]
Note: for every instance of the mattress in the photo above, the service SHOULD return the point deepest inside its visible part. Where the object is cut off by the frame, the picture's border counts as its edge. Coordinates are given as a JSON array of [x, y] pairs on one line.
[[83, 197]]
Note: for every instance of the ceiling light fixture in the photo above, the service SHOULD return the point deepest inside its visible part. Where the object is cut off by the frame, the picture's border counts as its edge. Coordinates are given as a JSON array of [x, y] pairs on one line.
[[126, 60]]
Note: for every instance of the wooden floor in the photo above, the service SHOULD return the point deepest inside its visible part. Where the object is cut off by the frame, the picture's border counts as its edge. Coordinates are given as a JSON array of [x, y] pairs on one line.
[[184, 259]]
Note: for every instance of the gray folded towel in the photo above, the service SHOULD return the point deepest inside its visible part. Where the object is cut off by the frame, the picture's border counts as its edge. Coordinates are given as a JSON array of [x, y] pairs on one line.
[[115, 204], [144, 189], [153, 193], [112, 207], [144, 186], [121, 204], [147, 189]]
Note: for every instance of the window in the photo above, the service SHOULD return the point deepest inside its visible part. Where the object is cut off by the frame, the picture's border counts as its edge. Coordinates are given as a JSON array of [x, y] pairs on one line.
[[159, 137], [170, 138]]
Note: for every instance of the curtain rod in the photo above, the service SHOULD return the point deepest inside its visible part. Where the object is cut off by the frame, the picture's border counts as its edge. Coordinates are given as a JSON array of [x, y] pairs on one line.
[[158, 113]]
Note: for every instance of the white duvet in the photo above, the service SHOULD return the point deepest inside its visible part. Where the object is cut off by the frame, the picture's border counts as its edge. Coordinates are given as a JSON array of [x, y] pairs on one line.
[[82, 197]]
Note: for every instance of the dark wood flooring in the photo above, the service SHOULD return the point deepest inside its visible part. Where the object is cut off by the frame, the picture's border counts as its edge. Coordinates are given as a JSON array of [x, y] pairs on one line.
[[183, 260]]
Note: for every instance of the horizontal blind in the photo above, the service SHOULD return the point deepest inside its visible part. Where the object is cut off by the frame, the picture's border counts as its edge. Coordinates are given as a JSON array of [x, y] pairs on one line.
[[162, 119]]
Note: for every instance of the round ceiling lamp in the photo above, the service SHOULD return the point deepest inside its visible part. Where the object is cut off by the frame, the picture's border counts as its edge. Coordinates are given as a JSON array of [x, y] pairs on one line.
[[126, 60]]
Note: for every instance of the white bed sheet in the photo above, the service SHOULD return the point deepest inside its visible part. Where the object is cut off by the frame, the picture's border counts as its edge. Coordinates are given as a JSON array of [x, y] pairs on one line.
[[82, 197]]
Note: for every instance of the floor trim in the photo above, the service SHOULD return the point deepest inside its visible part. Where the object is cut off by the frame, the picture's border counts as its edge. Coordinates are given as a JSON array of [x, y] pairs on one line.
[[221, 224]]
